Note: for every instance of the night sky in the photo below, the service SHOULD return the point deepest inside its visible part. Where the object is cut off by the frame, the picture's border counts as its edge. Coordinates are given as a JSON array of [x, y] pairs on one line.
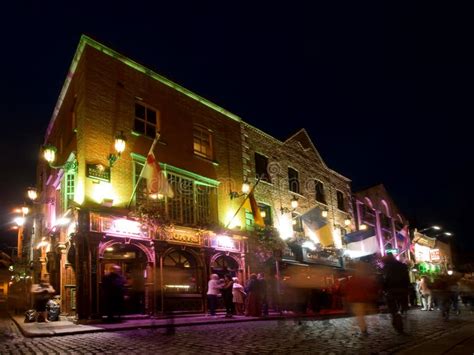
[[385, 91]]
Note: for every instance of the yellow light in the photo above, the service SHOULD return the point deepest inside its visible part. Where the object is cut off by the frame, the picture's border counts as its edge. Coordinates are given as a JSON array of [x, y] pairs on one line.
[[347, 221], [263, 214], [231, 221], [294, 222], [120, 142], [25, 210], [32, 194], [49, 153], [324, 213], [245, 187], [294, 203], [363, 227], [156, 196], [285, 227], [19, 221], [109, 249], [103, 193]]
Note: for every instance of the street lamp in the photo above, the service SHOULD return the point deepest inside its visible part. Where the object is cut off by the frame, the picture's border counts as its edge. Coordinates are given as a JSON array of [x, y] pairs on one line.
[[120, 142], [32, 193], [347, 221], [245, 190], [20, 221]]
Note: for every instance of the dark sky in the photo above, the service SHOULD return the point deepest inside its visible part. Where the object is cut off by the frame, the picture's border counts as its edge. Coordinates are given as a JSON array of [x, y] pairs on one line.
[[385, 90]]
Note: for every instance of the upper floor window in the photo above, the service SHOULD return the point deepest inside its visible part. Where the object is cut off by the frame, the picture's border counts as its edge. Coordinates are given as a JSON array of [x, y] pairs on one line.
[[146, 120], [341, 203], [319, 190], [261, 165], [293, 181], [202, 142], [297, 222]]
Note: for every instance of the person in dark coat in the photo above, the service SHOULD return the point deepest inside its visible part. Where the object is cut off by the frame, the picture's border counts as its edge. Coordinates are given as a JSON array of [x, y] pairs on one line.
[[113, 285], [226, 291], [254, 302], [396, 284]]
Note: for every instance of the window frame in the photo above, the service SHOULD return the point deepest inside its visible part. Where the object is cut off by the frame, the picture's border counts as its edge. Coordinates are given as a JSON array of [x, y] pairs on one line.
[[203, 131], [264, 176], [316, 184], [292, 181], [145, 120], [341, 202]]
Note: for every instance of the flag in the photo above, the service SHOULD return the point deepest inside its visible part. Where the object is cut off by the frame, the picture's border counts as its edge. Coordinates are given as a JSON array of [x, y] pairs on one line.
[[361, 243], [251, 205], [156, 182], [402, 238], [317, 227]]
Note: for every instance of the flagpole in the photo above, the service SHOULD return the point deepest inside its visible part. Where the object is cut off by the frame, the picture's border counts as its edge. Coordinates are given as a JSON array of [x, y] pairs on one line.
[[157, 137], [245, 199]]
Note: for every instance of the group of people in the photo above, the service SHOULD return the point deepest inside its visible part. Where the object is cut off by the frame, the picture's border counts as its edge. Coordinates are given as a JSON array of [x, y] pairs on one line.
[[249, 300]]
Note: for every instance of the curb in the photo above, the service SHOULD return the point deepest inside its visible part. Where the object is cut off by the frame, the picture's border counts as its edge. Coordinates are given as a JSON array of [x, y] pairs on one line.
[[51, 333]]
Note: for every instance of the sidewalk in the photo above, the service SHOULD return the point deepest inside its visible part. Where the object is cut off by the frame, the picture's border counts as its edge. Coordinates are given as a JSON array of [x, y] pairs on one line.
[[65, 327]]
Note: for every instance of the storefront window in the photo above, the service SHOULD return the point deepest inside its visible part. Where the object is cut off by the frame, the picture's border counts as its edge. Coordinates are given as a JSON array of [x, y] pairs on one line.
[[180, 273]]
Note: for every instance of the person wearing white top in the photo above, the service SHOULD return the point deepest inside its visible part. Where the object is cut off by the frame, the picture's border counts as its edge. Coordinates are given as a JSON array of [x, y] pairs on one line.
[[213, 290]]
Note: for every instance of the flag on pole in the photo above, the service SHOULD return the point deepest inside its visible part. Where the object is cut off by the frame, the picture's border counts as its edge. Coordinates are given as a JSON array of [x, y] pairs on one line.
[[156, 181], [251, 204], [317, 227]]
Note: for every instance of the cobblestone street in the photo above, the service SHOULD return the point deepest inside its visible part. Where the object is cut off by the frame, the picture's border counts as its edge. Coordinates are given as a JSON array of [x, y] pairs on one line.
[[336, 336]]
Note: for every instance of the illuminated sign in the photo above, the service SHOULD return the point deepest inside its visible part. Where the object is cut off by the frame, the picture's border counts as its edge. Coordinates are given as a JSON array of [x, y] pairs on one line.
[[422, 253], [122, 227], [435, 256], [225, 242], [182, 236], [392, 251], [98, 172]]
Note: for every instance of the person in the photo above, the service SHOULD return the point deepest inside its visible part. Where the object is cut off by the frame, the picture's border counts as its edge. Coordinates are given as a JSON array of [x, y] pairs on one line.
[[113, 285], [361, 293], [213, 290], [262, 288], [42, 293], [226, 291], [253, 308], [396, 283], [238, 296], [425, 293]]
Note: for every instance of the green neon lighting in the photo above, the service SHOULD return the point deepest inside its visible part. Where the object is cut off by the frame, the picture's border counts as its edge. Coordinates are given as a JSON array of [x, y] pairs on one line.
[[199, 179], [85, 40]]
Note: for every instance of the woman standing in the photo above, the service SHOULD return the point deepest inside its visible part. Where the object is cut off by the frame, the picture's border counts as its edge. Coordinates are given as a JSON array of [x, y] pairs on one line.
[[212, 292], [238, 295]]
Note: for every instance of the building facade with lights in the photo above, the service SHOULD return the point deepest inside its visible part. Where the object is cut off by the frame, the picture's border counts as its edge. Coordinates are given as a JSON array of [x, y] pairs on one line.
[[382, 228], [90, 216], [431, 255], [304, 200]]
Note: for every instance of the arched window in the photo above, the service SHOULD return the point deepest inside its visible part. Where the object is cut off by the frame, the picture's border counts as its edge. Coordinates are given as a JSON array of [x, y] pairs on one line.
[[180, 273], [225, 265]]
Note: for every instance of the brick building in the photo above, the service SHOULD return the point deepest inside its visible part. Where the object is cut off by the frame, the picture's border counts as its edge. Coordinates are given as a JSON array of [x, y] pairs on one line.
[[87, 194]]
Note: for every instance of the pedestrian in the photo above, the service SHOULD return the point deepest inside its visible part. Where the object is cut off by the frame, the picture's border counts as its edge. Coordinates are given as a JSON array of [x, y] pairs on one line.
[[263, 290], [396, 283], [361, 291], [253, 306], [213, 291], [113, 286], [238, 296], [226, 290], [42, 292], [425, 294]]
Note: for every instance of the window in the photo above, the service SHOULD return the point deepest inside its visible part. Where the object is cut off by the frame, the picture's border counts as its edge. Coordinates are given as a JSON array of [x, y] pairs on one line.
[[319, 189], [202, 142], [261, 165], [266, 210], [341, 204], [146, 120], [193, 202], [181, 273], [293, 181]]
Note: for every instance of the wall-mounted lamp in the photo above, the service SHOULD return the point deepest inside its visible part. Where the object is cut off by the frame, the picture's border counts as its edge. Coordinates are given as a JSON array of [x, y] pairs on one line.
[[32, 193], [263, 214], [245, 190], [120, 143], [347, 221], [294, 205], [324, 213], [363, 227], [49, 154]]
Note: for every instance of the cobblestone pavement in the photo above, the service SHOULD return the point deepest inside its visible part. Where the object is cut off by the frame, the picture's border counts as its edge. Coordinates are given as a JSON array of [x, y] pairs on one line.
[[335, 336]]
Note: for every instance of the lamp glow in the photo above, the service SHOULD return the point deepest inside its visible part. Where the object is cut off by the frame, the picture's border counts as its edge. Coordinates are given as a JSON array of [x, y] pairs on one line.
[[245, 187], [25, 210], [448, 234], [324, 213], [49, 153], [363, 227], [294, 203], [120, 142], [347, 221], [450, 272], [32, 194], [19, 221], [263, 214]]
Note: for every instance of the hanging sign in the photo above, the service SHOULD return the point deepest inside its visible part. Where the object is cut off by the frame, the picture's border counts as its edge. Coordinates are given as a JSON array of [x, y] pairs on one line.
[[98, 172]]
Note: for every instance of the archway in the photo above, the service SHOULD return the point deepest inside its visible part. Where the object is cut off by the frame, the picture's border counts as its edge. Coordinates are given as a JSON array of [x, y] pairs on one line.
[[222, 264]]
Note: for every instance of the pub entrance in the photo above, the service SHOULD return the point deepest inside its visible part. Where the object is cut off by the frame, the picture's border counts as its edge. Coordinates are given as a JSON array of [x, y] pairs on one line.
[[133, 264]]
